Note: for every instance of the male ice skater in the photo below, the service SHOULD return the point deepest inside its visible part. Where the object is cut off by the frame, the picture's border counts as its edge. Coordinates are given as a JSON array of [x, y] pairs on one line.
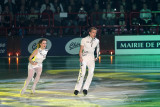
[[87, 58]]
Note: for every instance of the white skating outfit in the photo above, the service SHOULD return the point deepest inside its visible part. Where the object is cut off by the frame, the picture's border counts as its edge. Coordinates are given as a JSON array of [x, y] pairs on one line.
[[41, 55], [88, 60]]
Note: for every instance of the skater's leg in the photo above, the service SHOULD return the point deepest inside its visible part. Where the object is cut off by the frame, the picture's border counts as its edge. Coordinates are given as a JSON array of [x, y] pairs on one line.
[[38, 74], [91, 66], [82, 73], [30, 76]]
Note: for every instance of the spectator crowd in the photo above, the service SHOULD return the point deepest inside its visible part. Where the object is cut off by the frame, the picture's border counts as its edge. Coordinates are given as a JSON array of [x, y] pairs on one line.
[[70, 15]]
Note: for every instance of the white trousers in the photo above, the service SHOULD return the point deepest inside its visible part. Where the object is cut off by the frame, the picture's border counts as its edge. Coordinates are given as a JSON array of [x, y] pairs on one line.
[[88, 61]]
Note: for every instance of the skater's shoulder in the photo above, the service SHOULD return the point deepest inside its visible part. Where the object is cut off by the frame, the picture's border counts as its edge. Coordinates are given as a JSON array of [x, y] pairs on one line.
[[35, 51], [96, 39], [39, 49], [85, 38], [46, 50]]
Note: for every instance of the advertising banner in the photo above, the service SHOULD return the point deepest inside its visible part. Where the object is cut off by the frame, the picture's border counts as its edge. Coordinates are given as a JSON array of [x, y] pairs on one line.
[[56, 46], [149, 44]]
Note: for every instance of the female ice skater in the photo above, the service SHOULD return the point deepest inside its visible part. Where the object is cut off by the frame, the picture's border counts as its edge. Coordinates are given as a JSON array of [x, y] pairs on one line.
[[35, 65], [87, 58]]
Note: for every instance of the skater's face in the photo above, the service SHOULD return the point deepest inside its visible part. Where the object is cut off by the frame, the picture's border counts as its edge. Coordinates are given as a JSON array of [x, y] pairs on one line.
[[93, 33], [43, 44]]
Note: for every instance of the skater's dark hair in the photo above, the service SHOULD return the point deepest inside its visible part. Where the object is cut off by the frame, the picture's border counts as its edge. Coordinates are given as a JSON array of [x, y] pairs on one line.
[[38, 45]]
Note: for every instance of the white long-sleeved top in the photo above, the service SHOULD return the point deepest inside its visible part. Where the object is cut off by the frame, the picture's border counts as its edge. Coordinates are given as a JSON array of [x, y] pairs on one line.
[[89, 46], [39, 58]]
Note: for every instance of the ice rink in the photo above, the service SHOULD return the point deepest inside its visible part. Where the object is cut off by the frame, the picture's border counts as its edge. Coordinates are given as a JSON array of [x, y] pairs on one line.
[[119, 81]]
